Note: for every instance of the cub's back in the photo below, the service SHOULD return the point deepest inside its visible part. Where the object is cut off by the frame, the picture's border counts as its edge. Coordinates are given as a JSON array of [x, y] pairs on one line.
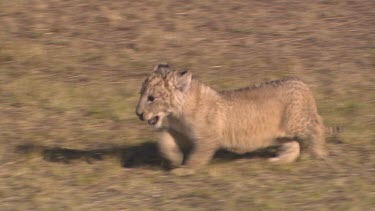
[[264, 103], [271, 90]]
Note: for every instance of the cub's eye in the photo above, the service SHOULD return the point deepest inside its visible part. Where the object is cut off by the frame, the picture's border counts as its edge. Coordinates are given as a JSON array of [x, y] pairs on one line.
[[150, 98]]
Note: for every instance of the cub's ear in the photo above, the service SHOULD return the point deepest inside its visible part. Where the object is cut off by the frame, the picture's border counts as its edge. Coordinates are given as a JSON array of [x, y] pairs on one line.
[[162, 68], [183, 80]]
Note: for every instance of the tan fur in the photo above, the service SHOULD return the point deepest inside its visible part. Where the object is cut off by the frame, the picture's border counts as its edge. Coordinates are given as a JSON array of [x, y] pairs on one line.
[[279, 112]]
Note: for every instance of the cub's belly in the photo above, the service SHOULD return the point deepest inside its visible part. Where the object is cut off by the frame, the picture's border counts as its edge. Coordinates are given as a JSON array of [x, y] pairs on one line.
[[248, 143], [252, 132]]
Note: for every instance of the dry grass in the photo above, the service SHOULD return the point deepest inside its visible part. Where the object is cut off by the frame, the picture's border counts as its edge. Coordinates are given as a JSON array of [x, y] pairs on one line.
[[69, 78]]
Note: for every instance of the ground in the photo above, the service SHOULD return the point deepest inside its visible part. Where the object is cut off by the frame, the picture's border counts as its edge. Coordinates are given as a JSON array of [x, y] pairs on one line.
[[70, 73]]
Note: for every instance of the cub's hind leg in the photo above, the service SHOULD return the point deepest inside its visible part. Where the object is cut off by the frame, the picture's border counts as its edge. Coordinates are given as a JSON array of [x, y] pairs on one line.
[[304, 122], [312, 136], [316, 141], [288, 153]]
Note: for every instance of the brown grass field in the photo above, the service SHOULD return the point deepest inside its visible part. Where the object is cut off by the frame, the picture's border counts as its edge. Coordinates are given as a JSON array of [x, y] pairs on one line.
[[70, 72]]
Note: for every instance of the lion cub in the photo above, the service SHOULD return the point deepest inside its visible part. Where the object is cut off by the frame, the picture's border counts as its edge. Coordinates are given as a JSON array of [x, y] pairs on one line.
[[282, 113]]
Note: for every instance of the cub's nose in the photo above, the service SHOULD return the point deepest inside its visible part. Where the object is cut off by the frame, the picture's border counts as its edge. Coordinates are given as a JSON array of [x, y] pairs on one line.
[[140, 115]]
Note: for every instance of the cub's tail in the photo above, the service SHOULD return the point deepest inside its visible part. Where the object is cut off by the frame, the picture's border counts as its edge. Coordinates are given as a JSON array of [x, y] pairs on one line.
[[333, 130]]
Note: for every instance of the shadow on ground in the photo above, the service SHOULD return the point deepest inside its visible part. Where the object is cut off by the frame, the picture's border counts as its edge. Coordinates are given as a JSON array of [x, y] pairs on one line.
[[143, 155]]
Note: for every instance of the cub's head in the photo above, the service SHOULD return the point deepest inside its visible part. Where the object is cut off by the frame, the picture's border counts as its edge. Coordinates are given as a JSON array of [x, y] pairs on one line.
[[162, 94]]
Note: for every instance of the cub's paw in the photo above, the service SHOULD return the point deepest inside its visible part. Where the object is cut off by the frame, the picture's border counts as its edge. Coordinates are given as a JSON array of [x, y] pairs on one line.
[[321, 154], [274, 160], [183, 171]]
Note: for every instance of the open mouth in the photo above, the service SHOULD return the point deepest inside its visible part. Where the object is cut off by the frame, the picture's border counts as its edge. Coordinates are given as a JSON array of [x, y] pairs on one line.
[[153, 121]]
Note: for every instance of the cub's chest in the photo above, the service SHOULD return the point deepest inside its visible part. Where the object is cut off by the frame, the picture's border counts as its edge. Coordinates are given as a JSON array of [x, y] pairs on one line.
[[181, 125]]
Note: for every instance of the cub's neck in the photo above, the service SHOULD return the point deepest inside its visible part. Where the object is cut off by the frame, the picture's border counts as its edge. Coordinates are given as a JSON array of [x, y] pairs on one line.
[[197, 96]]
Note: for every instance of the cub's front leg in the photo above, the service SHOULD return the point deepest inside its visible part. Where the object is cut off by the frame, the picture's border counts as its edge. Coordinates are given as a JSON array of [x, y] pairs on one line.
[[169, 148], [203, 151]]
